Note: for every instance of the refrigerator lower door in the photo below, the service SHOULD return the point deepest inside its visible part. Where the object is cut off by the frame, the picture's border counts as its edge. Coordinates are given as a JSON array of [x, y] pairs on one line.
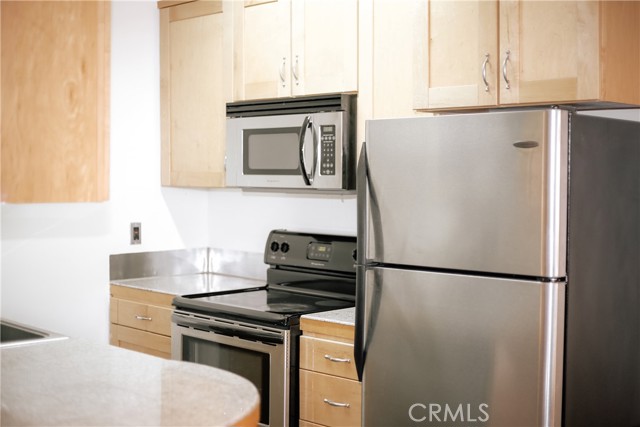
[[457, 350]]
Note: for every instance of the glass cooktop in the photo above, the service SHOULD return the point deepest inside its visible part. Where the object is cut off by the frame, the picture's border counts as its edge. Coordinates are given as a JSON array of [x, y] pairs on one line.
[[269, 305]]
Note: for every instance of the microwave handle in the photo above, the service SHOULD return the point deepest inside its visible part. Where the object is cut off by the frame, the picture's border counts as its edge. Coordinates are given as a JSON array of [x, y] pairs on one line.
[[307, 123]]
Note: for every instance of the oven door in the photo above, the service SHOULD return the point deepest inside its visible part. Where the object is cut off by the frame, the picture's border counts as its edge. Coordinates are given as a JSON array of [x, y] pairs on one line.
[[259, 354], [296, 151]]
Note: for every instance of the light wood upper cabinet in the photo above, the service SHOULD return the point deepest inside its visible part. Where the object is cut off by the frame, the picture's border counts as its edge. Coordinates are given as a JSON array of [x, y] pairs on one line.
[[462, 53], [511, 52], [195, 63], [290, 48], [55, 101]]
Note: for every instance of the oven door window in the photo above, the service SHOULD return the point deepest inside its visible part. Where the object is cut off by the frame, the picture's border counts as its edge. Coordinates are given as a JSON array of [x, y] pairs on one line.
[[272, 151], [252, 365]]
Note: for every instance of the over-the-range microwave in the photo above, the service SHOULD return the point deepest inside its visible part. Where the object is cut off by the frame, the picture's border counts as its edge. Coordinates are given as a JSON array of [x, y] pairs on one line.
[[293, 143]]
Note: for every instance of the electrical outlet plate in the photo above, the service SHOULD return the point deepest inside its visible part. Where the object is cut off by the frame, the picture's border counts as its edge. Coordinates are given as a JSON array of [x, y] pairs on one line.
[[136, 233]]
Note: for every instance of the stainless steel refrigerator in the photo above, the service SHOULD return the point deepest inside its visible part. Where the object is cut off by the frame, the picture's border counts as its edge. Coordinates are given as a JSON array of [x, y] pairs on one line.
[[499, 270]]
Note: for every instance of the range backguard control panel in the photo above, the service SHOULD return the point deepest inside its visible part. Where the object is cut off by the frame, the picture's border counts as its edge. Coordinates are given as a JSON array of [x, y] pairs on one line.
[[295, 249]]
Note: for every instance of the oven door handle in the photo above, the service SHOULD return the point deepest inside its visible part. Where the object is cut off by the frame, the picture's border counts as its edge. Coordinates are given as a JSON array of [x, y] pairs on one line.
[[262, 336]]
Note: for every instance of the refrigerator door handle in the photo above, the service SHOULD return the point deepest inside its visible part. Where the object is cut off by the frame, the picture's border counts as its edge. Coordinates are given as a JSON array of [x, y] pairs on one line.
[[358, 340], [362, 189]]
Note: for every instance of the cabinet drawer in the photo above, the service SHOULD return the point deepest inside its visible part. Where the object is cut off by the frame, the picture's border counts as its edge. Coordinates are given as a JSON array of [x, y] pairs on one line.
[[329, 357], [146, 317], [329, 400], [144, 342]]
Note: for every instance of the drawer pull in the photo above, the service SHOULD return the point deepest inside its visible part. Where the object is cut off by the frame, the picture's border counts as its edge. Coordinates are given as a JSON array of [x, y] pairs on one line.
[[336, 359], [143, 318], [338, 404]]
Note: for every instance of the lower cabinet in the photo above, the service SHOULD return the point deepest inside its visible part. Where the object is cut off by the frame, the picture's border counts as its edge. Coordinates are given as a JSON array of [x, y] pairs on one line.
[[141, 320], [330, 393]]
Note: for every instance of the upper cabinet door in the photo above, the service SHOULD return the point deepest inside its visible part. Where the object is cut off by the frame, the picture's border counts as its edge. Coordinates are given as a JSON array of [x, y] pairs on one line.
[[262, 37], [462, 53], [570, 51], [55, 101], [290, 48], [548, 51], [193, 64], [324, 46], [512, 52]]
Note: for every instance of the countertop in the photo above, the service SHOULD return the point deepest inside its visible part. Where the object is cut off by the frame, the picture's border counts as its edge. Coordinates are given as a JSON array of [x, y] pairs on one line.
[[335, 324], [188, 284], [78, 383], [345, 316]]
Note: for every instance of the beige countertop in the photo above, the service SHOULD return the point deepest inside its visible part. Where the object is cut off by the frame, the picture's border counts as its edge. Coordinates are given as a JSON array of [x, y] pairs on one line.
[[190, 283], [345, 316], [78, 383], [336, 324]]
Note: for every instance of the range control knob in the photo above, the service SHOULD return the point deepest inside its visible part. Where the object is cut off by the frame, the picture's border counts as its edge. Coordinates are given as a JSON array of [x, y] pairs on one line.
[[274, 246], [284, 247]]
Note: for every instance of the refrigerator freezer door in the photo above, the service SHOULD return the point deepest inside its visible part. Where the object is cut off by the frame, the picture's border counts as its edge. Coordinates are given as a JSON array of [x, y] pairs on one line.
[[477, 192], [444, 349]]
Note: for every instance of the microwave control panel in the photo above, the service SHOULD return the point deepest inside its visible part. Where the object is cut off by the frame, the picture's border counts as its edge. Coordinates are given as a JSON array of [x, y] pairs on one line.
[[328, 149]]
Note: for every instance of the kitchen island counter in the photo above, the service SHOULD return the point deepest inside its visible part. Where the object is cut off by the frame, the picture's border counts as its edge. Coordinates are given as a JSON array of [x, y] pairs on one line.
[[78, 383]]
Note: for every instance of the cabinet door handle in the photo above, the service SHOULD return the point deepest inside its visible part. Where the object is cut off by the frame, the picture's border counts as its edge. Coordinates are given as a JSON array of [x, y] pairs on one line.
[[484, 72], [338, 404], [337, 359], [282, 68], [143, 318], [295, 70], [504, 70]]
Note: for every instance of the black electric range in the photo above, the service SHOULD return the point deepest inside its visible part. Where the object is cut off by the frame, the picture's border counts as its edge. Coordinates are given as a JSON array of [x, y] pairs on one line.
[[255, 332]]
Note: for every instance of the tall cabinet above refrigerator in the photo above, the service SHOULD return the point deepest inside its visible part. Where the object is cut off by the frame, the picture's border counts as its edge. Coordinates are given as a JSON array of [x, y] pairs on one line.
[[498, 270]]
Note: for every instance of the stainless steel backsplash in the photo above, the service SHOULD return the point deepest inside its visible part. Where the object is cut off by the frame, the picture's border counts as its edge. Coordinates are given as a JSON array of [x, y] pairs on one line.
[[187, 261]]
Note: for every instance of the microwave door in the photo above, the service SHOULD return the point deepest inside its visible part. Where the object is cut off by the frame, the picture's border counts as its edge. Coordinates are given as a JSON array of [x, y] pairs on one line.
[[265, 151]]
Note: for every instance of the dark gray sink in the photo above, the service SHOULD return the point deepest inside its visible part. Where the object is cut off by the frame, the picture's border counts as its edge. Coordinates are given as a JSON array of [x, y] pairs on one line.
[[14, 334]]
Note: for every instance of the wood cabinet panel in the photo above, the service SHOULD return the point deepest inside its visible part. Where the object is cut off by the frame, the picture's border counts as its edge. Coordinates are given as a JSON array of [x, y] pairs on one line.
[[326, 356], [141, 320], [330, 394], [141, 341], [262, 34], [462, 43], [552, 52], [288, 48], [324, 48], [193, 94], [329, 400], [55, 101], [145, 317]]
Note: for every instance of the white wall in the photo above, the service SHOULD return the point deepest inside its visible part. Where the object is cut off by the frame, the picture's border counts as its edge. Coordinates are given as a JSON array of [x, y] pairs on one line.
[[55, 257], [242, 219]]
